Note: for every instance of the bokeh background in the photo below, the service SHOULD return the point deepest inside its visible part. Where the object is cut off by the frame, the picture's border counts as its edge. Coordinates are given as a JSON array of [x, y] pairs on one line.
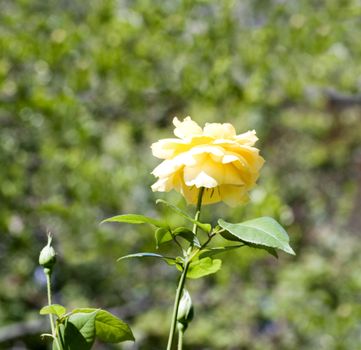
[[87, 86]]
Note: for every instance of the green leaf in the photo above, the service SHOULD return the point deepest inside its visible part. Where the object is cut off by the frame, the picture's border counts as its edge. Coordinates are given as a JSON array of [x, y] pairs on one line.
[[205, 227], [72, 339], [162, 235], [269, 250], [85, 324], [208, 252], [54, 309], [84, 310], [230, 237], [110, 329], [78, 331], [167, 259], [187, 234], [263, 231], [203, 267], [135, 219]]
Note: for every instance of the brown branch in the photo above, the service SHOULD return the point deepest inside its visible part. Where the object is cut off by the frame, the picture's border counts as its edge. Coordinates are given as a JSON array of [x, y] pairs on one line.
[[338, 100]]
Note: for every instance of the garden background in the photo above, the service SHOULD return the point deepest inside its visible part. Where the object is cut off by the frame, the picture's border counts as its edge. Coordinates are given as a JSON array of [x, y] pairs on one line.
[[87, 86]]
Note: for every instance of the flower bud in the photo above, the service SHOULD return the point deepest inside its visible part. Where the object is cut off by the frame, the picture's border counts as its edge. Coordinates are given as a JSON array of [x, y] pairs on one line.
[[47, 256], [185, 309]]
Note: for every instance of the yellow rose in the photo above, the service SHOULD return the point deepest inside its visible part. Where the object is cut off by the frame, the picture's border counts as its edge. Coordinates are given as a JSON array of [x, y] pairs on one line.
[[215, 157]]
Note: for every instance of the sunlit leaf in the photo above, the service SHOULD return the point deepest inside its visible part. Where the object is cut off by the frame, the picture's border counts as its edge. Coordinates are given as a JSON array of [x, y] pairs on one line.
[[231, 237], [167, 259], [111, 329], [135, 219], [79, 330], [263, 231], [203, 267], [54, 309], [108, 327]]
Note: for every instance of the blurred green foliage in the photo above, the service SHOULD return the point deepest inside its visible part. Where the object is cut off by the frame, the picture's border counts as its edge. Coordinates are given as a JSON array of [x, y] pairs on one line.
[[87, 86]]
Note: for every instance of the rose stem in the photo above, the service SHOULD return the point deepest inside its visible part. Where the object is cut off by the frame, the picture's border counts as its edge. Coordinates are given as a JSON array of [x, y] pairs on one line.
[[184, 275], [48, 284]]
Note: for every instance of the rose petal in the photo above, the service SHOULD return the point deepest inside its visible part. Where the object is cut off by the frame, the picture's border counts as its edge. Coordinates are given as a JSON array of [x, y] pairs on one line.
[[219, 131], [187, 128], [248, 138], [167, 148]]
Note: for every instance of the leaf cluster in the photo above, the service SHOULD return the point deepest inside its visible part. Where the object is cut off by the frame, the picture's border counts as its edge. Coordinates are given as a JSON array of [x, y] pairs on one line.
[[78, 329], [261, 233]]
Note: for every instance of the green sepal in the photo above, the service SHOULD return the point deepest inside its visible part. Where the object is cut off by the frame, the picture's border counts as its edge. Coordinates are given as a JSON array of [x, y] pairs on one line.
[[47, 257], [135, 219], [260, 232], [205, 227], [167, 259], [54, 309], [203, 267], [185, 310]]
